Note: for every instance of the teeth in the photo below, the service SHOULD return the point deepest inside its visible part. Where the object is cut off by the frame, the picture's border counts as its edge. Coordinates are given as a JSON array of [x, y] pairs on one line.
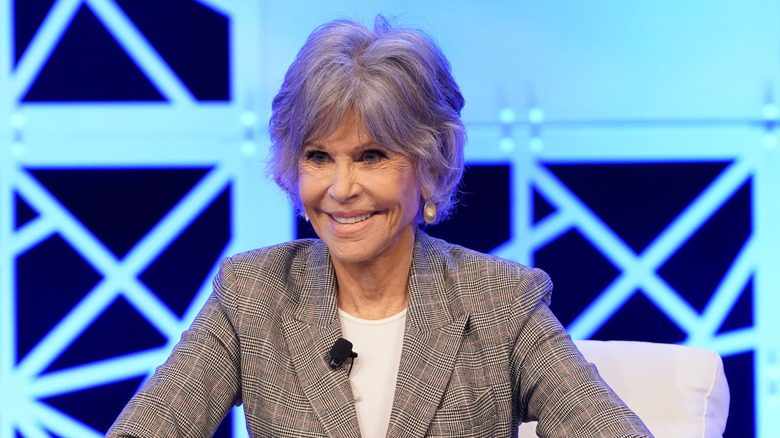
[[352, 220]]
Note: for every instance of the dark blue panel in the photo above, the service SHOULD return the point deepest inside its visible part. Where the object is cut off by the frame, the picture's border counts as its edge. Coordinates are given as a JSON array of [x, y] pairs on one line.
[[89, 66], [541, 207], [741, 315], [481, 220], [24, 213], [97, 407], [28, 15], [303, 229], [739, 373], [637, 200], [178, 273], [51, 279], [192, 39], [225, 429], [119, 205], [697, 268], [578, 271], [117, 331], [639, 320]]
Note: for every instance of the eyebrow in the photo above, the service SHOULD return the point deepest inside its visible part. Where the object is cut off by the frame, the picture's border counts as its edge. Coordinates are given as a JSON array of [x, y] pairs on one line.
[[366, 145]]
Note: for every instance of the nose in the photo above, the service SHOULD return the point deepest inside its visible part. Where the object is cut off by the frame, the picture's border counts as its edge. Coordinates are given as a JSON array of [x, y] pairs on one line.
[[344, 185]]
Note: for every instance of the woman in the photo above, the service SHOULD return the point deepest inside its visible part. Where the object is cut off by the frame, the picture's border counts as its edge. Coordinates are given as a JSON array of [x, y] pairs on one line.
[[367, 141]]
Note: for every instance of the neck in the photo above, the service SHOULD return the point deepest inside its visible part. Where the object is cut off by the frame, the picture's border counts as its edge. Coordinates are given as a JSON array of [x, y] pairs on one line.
[[376, 289]]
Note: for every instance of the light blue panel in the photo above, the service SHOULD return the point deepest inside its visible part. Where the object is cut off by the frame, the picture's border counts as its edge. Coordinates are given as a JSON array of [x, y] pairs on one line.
[[615, 60], [579, 60], [767, 300]]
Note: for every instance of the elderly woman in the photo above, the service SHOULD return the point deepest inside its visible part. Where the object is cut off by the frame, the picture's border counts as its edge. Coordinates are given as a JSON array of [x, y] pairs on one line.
[[367, 141]]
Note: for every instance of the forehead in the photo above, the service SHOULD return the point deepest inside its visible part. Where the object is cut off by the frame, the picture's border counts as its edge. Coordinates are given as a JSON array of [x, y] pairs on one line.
[[350, 130]]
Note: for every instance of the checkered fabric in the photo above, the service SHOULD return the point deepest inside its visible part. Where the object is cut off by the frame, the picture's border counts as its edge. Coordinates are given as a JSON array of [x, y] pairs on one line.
[[481, 352]]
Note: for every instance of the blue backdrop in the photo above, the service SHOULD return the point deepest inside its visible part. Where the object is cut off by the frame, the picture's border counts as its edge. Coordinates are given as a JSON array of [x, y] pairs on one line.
[[630, 151]]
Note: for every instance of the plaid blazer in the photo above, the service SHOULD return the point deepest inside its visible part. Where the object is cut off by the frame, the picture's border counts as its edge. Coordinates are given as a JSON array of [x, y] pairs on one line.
[[481, 352]]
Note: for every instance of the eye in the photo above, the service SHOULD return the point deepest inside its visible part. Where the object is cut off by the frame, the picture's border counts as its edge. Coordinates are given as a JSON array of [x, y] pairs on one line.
[[316, 157], [373, 156]]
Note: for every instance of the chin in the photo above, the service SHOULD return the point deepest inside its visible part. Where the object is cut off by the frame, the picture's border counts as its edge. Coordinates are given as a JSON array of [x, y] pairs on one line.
[[351, 256]]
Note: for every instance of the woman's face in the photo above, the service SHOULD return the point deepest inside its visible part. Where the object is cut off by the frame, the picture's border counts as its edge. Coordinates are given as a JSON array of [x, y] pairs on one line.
[[361, 198]]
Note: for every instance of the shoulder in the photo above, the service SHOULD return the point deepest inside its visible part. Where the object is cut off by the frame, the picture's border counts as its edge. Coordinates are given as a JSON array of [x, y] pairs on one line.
[[276, 258], [477, 278], [272, 274], [471, 265]]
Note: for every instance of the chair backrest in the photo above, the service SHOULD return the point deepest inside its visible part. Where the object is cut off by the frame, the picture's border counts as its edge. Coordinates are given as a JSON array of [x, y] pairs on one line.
[[677, 390]]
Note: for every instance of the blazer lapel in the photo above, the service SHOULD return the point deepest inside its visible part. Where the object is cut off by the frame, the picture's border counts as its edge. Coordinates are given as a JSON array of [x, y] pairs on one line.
[[310, 331], [431, 342]]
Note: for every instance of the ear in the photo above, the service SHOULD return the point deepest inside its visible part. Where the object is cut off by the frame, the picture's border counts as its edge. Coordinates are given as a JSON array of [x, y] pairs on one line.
[[424, 193]]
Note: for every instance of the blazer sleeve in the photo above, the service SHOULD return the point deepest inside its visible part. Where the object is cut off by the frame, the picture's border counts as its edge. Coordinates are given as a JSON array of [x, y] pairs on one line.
[[189, 395], [555, 385]]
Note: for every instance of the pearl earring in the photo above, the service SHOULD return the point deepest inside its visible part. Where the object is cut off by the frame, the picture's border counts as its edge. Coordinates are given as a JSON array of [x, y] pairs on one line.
[[429, 212]]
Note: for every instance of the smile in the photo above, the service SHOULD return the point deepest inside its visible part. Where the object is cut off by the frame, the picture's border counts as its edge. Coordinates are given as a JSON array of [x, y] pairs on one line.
[[353, 219]]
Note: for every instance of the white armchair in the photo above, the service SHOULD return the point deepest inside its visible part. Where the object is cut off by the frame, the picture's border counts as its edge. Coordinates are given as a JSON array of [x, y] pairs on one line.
[[678, 391]]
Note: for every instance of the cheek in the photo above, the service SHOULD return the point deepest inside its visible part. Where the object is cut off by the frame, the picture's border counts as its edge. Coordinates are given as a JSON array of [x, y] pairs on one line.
[[307, 188], [409, 195], [412, 204]]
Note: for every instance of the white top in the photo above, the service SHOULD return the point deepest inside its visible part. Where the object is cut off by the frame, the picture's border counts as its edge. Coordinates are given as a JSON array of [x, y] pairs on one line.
[[375, 370]]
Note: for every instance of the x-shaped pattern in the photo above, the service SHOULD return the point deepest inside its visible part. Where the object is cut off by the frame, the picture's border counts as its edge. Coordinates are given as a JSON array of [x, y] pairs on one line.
[[119, 278], [639, 271]]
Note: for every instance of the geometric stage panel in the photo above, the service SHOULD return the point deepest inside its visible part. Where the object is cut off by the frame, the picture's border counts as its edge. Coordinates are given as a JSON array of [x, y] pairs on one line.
[[52, 279], [627, 197], [132, 147], [111, 280], [114, 76], [118, 205], [637, 204]]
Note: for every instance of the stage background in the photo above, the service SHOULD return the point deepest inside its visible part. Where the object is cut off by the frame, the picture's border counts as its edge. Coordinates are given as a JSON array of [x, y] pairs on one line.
[[628, 148]]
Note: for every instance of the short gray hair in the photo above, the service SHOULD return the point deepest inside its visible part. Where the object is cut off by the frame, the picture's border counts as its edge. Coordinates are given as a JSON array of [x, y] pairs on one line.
[[398, 83]]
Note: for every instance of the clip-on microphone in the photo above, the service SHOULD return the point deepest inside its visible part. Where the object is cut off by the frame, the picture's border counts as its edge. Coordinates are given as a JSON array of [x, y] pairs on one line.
[[339, 353]]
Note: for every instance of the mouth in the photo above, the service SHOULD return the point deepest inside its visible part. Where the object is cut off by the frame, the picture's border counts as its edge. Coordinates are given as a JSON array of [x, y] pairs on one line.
[[353, 219]]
